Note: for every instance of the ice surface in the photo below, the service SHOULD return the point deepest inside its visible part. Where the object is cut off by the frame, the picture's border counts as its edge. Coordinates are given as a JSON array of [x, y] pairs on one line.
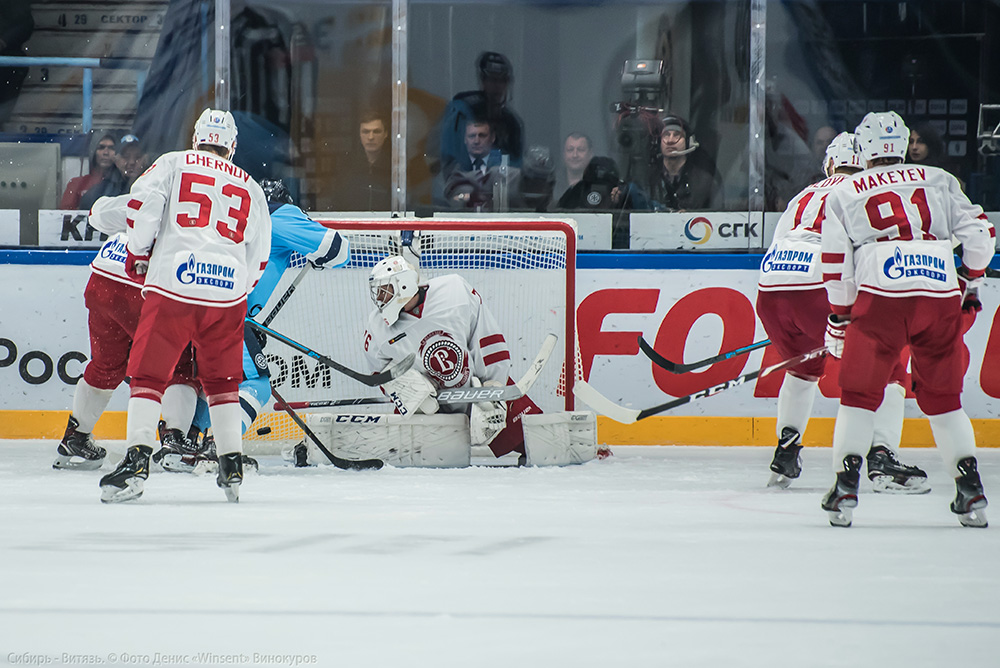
[[669, 556]]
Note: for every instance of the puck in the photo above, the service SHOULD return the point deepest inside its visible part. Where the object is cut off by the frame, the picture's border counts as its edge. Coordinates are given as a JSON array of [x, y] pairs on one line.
[[263, 431]]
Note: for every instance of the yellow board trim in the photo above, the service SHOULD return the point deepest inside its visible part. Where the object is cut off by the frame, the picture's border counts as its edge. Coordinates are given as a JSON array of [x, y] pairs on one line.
[[665, 430]]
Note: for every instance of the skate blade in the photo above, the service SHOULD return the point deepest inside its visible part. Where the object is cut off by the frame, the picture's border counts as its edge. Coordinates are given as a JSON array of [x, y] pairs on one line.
[[232, 493], [883, 484], [133, 490], [205, 467], [779, 481], [842, 517], [74, 463], [975, 518]]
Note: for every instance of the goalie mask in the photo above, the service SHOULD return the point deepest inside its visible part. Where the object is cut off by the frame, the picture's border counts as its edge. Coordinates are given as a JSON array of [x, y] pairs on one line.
[[841, 153], [882, 135], [392, 283], [215, 128]]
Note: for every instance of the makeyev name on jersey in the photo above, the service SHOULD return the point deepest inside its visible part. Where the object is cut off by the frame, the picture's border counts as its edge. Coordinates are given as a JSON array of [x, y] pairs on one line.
[[788, 260], [908, 265], [206, 273], [114, 249], [888, 178]]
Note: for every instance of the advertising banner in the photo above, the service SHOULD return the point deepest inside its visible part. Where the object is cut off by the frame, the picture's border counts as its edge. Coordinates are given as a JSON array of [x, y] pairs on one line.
[[67, 228], [10, 227], [686, 315]]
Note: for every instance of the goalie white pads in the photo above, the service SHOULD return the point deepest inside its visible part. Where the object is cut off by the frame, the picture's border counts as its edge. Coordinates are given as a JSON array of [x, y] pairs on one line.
[[412, 392], [486, 418], [428, 441], [558, 439]]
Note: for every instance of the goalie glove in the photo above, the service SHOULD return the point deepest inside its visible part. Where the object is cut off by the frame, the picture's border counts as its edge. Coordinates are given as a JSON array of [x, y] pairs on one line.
[[487, 418], [412, 392]]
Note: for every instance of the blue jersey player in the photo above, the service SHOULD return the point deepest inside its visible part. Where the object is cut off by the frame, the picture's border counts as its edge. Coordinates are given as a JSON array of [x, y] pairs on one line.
[[291, 231]]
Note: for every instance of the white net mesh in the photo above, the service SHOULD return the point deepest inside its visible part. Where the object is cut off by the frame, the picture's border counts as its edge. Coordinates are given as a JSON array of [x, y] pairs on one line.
[[524, 271]]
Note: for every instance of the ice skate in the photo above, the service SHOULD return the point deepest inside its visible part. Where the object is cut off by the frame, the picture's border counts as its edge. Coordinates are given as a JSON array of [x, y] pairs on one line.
[[840, 502], [787, 463], [77, 451], [297, 455], [890, 476], [970, 500], [126, 481], [231, 475], [178, 454]]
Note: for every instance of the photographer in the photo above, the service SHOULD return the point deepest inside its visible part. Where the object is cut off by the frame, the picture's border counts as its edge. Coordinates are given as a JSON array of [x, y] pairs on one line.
[[684, 179], [601, 189]]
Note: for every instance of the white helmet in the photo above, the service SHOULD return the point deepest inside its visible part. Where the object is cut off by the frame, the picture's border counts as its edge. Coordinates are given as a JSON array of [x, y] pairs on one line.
[[392, 283], [216, 128], [882, 135], [841, 153]]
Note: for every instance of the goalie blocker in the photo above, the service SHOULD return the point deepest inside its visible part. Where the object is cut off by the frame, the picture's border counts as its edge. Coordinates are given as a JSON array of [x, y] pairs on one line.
[[443, 440]]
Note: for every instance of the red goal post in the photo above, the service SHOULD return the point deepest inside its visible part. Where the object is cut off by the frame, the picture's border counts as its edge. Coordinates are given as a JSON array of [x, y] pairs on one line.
[[524, 269]]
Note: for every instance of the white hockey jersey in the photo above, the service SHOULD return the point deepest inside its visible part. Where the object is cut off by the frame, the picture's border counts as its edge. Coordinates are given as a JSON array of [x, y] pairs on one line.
[[108, 216], [888, 230], [452, 332], [792, 262], [210, 222]]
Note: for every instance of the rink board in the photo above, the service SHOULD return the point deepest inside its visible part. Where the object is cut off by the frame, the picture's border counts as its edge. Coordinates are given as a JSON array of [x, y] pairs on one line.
[[689, 306]]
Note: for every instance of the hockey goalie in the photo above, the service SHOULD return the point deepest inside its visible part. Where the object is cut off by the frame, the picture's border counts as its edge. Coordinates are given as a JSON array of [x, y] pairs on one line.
[[458, 346]]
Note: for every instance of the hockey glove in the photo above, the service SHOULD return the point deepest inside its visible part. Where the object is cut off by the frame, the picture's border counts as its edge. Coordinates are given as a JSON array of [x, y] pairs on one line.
[[487, 418], [136, 266], [836, 328], [969, 282], [412, 392]]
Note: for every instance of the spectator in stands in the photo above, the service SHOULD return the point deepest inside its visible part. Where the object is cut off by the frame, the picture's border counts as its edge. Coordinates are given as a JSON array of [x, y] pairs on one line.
[[368, 178], [16, 26], [577, 152], [131, 161], [489, 103], [102, 163], [926, 147], [685, 178], [468, 182]]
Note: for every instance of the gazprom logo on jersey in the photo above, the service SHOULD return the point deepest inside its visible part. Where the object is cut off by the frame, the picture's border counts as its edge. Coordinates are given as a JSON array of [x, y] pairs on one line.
[[114, 250], [206, 273], [905, 265], [787, 260], [698, 230]]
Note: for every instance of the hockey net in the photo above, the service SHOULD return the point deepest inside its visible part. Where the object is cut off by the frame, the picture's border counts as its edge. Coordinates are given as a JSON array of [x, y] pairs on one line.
[[525, 271]]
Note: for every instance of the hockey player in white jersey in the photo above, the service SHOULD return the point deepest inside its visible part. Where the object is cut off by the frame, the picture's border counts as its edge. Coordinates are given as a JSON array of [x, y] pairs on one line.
[[213, 235], [792, 305], [457, 343], [890, 276], [114, 301]]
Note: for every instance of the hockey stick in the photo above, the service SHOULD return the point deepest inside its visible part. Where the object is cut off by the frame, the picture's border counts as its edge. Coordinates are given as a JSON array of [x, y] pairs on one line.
[[468, 395], [340, 463], [673, 367], [288, 293], [368, 379], [586, 393]]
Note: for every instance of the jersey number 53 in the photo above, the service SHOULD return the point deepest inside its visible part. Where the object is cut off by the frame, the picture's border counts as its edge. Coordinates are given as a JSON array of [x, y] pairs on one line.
[[197, 188]]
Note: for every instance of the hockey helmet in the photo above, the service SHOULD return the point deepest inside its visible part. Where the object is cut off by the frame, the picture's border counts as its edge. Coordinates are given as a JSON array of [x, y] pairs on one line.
[[275, 191], [882, 135], [215, 128], [392, 283], [493, 65], [841, 153]]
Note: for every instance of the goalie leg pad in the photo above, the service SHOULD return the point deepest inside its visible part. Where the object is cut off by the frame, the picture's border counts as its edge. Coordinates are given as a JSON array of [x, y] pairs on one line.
[[559, 439], [426, 441]]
